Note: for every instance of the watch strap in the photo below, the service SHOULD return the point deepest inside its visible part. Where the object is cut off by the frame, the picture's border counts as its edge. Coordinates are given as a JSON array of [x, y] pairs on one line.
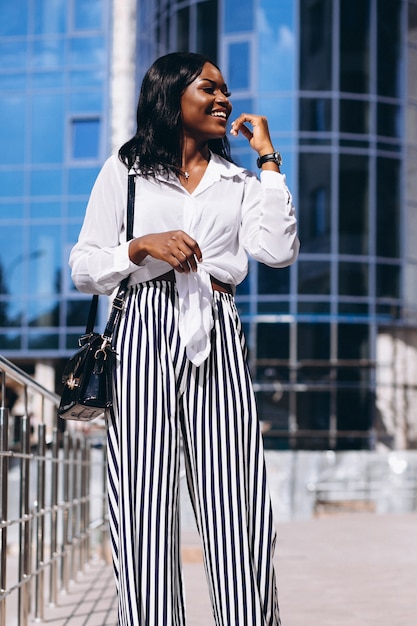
[[274, 157]]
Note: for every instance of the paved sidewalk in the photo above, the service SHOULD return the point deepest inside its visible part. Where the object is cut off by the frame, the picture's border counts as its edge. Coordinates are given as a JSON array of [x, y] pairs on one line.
[[343, 570]]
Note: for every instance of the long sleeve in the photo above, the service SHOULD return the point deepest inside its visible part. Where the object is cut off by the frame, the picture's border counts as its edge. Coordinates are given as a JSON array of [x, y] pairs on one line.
[[269, 225], [99, 260]]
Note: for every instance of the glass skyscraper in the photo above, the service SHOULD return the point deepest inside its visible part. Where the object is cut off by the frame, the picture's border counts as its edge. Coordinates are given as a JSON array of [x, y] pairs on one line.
[[333, 338], [54, 106]]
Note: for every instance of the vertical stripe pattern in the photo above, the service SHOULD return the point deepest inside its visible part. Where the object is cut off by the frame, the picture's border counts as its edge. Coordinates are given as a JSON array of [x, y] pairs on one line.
[[161, 396]]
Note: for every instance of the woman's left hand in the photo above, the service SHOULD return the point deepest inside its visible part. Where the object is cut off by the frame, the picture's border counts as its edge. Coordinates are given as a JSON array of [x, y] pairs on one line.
[[259, 137]]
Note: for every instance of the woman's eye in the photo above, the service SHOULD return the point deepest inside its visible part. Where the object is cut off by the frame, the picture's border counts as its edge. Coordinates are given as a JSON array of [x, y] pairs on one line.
[[212, 90]]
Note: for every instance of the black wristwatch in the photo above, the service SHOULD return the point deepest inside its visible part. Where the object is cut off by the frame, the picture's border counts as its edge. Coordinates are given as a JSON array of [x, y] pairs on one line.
[[274, 157]]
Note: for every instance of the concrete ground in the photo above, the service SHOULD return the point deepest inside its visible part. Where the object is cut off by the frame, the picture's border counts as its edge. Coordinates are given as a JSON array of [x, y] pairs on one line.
[[357, 569]]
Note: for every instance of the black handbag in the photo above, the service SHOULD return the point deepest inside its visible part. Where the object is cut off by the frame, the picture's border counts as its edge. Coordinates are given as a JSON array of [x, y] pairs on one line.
[[88, 375]]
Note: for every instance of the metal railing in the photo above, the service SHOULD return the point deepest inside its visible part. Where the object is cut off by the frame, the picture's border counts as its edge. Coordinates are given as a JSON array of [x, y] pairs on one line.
[[53, 511]]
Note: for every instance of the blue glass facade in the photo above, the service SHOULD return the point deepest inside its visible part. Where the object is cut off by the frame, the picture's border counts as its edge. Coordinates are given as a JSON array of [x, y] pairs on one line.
[[331, 78], [54, 68], [337, 81]]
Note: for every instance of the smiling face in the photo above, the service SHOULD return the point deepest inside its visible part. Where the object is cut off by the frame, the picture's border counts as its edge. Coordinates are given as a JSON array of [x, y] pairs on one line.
[[205, 106]]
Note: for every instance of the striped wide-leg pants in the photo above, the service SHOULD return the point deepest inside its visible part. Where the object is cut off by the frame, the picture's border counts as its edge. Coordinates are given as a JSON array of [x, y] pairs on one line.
[[160, 397]]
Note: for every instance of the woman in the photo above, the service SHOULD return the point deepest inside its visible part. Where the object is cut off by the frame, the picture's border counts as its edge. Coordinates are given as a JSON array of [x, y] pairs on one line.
[[181, 368]]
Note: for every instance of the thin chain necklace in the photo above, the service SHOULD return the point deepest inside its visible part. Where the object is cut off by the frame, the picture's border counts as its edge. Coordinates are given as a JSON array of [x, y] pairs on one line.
[[187, 172]]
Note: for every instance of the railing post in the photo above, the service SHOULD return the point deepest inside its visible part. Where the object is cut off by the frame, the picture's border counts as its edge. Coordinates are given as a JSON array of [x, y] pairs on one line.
[[24, 531], [66, 540], [40, 524], [53, 587], [4, 468], [75, 508], [84, 493]]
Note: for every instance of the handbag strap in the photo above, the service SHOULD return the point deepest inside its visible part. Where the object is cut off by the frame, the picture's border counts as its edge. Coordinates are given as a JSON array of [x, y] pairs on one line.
[[118, 301]]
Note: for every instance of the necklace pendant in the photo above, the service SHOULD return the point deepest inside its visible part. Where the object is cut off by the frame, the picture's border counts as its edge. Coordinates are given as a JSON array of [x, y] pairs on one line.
[[186, 175]]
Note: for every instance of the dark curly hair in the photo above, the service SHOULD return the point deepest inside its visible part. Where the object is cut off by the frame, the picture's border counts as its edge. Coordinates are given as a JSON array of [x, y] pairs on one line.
[[157, 144]]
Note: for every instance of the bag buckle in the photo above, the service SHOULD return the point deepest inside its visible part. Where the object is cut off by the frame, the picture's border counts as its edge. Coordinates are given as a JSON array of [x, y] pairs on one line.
[[101, 353], [118, 303]]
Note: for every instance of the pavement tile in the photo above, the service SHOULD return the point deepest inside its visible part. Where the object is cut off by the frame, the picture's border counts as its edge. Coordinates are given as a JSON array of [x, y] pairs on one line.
[[344, 570]]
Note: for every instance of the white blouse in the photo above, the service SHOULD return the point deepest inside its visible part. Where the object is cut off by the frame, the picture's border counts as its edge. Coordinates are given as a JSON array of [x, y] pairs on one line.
[[230, 214]]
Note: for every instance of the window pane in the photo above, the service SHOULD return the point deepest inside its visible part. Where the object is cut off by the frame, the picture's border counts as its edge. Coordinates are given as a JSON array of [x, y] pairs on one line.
[[43, 314], [389, 120], [85, 138], [207, 29], [12, 258], [315, 114], [280, 112], [353, 341], [276, 42], [11, 209], [13, 54], [238, 15], [43, 341], [354, 412], [274, 307], [46, 182], [12, 129], [183, 30], [86, 78], [53, 79], [14, 17], [354, 308], [50, 17], [87, 51], [354, 58], [87, 14], [239, 65], [13, 82], [389, 57], [48, 53], [10, 341], [45, 249], [314, 202], [315, 44], [353, 204], [47, 122], [313, 341], [45, 208], [86, 102], [273, 407], [353, 279], [273, 341], [313, 413], [387, 281], [313, 307], [77, 312], [354, 116], [11, 184], [313, 277], [388, 208], [272, 280]]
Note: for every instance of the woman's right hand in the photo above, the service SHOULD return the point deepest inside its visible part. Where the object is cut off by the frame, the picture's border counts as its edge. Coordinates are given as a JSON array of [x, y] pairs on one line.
[[175, 247]]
